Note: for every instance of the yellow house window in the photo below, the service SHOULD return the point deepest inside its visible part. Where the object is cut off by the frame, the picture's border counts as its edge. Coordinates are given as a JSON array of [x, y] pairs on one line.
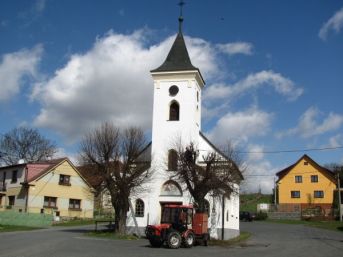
[[50, 202], [298, 179], [295, 194], [75, 204], [64, 180], [314, 178], [319, 194]]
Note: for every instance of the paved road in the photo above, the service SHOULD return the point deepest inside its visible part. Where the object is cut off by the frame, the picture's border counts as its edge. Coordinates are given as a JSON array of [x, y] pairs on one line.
[[267, 239]]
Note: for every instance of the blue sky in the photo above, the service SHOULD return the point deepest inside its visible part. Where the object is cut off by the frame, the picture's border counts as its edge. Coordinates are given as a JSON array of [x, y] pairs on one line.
[[273, 71]]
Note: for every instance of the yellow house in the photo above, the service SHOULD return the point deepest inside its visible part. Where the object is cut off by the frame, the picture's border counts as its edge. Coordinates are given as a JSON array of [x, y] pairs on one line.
[[53, 187], [306, 183]]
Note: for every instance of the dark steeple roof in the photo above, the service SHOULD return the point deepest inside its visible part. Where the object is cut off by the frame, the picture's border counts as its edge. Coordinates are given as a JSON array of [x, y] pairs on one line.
[[178, 58]]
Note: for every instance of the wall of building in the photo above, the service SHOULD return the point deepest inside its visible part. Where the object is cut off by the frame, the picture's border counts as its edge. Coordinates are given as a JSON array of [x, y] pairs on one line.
[[49, 186], [306, 188]]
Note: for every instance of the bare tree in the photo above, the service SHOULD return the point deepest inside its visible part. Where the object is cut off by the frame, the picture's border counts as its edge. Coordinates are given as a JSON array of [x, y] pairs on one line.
[[116, 157], [214, 173], [25, 143]]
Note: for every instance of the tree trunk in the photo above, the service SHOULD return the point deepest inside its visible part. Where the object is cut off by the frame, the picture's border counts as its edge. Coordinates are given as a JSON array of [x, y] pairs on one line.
[[121, 206], [200, 201]]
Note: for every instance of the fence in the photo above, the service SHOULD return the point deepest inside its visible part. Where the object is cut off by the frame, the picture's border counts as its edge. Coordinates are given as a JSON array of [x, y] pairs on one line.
[[301, 211], [25, 219]]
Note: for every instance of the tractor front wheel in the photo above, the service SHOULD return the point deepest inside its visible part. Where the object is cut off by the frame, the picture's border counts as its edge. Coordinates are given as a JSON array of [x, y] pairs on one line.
[[188, 240], [174, 240]]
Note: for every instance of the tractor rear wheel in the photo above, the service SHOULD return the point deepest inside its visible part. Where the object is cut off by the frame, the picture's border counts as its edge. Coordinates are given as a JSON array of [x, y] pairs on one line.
[[174, 240], [188, 240]]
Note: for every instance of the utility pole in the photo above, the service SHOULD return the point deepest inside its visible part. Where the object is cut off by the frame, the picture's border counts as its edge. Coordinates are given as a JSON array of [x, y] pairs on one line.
[[274, 191], [339, 198]]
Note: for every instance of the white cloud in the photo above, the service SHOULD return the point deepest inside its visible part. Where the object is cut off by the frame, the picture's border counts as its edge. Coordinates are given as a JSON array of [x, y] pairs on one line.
[[39, 5], [14, 67], [236, 48], [281, 85], [110, 82], [309, 126], [336, 141], [255, 152], [259, 175], [240, 126], [334, 23]]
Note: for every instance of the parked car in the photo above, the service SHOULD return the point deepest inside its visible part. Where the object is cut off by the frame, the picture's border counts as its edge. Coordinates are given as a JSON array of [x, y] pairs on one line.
[[246, 216]]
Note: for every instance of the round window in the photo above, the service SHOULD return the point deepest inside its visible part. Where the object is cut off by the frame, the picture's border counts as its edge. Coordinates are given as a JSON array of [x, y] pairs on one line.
[[173, 90]]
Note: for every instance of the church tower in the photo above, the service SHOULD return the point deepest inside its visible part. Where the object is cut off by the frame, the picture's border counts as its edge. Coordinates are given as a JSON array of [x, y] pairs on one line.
[[177, 100]]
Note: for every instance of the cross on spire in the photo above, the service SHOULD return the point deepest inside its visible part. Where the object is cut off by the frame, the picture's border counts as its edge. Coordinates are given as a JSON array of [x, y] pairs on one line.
[[181, 4]]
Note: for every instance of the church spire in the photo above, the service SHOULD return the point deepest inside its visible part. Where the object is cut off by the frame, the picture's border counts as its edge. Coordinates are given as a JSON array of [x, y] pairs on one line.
[[178, 58]]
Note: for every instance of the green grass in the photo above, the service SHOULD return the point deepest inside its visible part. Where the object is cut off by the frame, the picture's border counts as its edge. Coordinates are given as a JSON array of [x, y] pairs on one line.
[[331, 225], [71, 223], [239, 240], [110, 235], [248, 202], [10, 228]]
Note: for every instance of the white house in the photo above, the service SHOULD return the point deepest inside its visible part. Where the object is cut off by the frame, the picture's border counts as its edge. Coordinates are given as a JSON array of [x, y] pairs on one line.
[[178, 88]]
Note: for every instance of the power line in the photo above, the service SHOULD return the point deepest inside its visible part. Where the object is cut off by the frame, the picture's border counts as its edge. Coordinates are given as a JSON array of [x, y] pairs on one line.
[[293, 150]]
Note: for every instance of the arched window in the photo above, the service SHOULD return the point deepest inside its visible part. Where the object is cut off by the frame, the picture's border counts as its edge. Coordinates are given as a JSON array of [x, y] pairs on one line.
[[172, 159], [174, 111], [139, 208], [171, 188]]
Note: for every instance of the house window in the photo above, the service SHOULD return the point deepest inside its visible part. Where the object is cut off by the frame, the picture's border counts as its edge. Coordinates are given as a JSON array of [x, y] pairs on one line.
[[14, 176], [172, 160], [298, 179], [75, 204], [64, 180], [174, 110], [139, 208], [50, 202], [305, 163], [11, 200], [197, 96], [314, 178], [319, 194], [295, 194]]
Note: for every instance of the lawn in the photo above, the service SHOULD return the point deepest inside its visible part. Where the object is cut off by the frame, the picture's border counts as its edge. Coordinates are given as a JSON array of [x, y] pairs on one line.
[[239, 240], [76, 222], [248, 202], [331, 225], [9, 228]]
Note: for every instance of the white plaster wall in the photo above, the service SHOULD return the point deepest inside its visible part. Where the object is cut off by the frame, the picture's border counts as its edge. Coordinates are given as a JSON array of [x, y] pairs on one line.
[[167, 135]]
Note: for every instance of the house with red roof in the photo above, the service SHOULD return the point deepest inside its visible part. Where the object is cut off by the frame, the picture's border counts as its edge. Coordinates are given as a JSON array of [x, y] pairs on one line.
[[52, 187]]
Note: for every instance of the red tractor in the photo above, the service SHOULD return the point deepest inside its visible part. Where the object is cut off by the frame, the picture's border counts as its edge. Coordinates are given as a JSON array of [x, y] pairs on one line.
[[179, 225]]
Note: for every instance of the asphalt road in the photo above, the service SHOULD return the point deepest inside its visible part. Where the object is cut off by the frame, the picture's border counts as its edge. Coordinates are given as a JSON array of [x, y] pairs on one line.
[[267, 239]]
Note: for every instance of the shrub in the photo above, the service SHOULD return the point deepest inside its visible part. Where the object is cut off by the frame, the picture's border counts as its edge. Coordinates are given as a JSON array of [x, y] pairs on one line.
[[261, 216]]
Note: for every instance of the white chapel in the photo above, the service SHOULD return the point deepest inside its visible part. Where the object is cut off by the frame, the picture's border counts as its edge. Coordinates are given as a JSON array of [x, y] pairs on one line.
[[178, 88]]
